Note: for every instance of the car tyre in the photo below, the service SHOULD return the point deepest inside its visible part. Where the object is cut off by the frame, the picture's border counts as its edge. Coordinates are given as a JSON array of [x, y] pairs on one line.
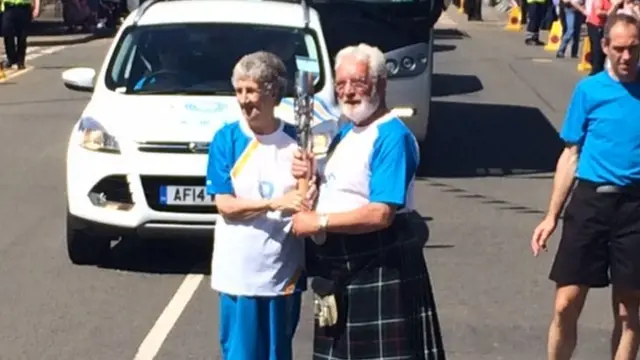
[[84, 248]]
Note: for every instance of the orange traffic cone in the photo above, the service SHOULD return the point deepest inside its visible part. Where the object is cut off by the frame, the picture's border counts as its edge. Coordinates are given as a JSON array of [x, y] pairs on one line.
[[585, 56], [513, 20], [555, 37]]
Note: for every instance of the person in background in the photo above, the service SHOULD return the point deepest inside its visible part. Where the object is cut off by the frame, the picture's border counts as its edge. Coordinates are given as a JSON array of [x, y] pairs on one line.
[[574, 15], [372, 263], [629, 7], [595, 26], [536, 10], [16, 18], [600, 242], [257, 265]]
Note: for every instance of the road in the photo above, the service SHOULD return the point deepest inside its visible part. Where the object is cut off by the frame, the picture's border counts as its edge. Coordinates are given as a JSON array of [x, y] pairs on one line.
[[484, 183]]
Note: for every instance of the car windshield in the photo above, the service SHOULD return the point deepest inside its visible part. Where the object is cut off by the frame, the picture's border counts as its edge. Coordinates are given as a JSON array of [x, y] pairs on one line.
[[198, 59]]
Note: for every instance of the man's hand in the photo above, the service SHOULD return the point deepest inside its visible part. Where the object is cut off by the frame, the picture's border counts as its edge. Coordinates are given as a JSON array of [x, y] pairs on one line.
[[303, 166], [306, 223], [542, 233], [35, 12]]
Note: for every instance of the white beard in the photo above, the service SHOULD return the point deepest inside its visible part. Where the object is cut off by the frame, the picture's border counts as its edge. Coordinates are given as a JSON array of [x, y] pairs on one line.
[[362, 111]]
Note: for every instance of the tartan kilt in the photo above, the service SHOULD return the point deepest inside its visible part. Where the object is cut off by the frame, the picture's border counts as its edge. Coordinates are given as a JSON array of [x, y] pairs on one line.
[[387, 311]]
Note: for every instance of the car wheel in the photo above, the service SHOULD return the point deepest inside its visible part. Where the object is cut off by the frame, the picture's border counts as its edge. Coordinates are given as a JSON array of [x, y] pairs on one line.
[[84, 248]]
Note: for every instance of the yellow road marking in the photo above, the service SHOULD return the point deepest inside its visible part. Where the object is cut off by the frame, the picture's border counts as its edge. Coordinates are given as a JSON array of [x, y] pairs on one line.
[[13, 74]]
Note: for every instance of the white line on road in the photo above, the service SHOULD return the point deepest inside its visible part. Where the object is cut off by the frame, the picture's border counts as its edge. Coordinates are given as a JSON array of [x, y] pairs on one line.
[[170, 315]]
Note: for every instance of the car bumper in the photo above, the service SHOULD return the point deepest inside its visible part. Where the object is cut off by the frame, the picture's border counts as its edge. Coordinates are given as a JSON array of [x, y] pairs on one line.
[[130, 185]]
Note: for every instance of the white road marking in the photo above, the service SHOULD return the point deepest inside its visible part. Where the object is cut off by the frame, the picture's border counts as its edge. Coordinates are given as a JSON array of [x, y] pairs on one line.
[[168, 318], [37, 52]]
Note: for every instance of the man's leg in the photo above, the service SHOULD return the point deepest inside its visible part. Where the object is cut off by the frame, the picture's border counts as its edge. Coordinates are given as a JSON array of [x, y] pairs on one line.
[[625, 277], [24, 20], [582, 262], [563, 332], [626, 330], [8, 34]]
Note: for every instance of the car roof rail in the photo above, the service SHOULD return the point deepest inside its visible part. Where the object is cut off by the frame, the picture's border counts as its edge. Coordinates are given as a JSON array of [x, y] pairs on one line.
[[143, 8], [147, 4]]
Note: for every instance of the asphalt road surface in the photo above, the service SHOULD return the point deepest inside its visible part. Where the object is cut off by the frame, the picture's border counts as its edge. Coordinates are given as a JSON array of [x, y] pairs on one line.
[[485, 181]]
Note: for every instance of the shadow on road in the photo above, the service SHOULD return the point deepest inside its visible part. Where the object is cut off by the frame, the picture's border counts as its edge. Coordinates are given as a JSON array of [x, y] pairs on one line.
[[166, 256], [449, 34], [452, 84], [443, 47], [478, 140]]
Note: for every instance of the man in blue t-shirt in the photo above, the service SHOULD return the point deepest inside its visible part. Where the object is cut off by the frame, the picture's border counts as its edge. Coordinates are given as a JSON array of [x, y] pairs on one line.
[[600, 242]]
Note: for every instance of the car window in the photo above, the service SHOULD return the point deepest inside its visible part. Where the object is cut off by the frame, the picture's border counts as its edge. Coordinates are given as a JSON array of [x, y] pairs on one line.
[[199, 58]]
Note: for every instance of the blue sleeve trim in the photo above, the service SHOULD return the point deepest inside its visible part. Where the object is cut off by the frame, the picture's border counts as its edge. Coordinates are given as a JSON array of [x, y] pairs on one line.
[[394, 162], [220, 162]]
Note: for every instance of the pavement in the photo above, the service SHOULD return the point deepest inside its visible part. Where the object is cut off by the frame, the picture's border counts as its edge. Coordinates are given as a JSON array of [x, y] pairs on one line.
[[484, 184]]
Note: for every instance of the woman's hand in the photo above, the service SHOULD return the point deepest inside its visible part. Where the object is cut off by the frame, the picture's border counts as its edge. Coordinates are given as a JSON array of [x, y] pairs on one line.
[[292, 201], [303, 166]]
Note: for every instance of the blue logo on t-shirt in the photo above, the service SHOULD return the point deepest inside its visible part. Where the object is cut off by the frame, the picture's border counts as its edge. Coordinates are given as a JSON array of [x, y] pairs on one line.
[[266, 189]]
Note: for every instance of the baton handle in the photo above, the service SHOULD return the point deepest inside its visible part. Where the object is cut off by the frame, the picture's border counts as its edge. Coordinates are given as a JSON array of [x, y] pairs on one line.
[[303, 186]]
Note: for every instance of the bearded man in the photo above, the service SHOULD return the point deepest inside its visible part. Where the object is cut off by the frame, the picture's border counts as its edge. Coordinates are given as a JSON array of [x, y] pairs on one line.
[[373, 293]]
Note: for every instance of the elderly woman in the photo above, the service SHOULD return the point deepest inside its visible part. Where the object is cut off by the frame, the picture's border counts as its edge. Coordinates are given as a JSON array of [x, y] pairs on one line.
[[257, 266]]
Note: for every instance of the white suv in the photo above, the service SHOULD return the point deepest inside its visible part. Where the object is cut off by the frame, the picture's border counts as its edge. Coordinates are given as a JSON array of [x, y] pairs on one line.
[[137, 156]]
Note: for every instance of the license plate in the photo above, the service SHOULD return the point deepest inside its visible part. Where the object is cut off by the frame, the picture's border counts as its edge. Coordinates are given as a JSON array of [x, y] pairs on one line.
[[184, 195]]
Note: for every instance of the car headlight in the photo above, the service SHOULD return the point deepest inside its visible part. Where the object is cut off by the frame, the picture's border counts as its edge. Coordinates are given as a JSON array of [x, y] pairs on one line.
[[94, 137]]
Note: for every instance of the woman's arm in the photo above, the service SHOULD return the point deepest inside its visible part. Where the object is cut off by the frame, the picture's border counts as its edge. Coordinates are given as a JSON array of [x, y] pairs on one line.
[[234, 208]]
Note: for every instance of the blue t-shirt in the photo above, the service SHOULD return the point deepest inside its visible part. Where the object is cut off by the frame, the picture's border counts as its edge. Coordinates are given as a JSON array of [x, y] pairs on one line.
[[604, 119]]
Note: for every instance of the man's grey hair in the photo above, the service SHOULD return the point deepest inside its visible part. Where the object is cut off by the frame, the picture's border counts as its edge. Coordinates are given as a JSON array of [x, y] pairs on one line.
[[365, 52], [266, 69]]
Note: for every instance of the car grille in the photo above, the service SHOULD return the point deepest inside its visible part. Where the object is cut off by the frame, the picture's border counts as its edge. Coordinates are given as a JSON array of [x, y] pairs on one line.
[[151, 186], [174, 147]]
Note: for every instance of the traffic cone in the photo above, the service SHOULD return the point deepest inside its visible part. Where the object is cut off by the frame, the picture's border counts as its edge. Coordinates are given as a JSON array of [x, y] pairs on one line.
[[585, 56], [555, 36], [513, 20]]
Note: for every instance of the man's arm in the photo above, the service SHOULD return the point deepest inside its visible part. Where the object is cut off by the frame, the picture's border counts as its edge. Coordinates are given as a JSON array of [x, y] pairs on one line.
[[573, 134], [563, 180]]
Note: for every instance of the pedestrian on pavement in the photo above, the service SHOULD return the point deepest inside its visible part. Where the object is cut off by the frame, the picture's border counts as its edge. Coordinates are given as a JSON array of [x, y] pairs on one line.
[[257, 266], [574, 15], [536, 10], [17, 17], [595, 28], [374, 296], [600, 243]]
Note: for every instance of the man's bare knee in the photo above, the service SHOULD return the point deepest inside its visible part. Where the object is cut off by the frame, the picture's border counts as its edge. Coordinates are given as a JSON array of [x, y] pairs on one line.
[[625, 307], [569, 303]]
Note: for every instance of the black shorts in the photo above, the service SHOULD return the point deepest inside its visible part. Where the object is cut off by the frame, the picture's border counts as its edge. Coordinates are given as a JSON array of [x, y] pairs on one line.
[[600, 242]]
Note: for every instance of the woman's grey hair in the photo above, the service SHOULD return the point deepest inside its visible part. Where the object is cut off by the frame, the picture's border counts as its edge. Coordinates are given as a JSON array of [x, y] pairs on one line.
[[365, 52], [264, 68]]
